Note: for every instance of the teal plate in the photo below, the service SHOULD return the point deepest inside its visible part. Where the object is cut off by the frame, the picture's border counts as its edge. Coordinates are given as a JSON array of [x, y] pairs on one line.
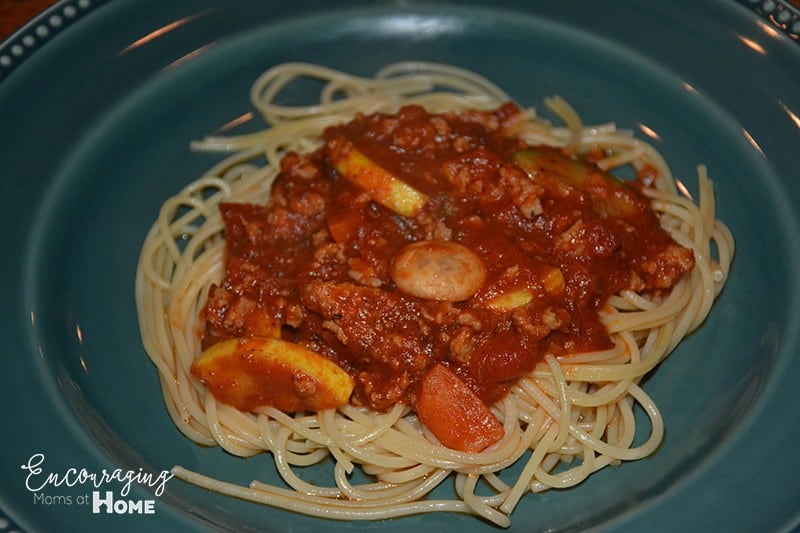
[[98, 103]]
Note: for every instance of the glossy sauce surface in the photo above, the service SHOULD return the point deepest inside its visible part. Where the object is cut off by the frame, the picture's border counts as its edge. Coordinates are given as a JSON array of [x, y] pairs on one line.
[[326, 262]]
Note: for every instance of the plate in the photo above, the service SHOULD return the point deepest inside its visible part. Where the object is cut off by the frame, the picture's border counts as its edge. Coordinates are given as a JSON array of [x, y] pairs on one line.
[[98, 103]]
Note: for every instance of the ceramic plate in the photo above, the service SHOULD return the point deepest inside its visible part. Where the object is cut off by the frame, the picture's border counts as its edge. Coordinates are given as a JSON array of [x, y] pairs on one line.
[[98, 104]]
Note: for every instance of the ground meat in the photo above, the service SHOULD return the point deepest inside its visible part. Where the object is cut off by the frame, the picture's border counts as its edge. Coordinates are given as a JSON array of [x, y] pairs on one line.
[[317, 264]]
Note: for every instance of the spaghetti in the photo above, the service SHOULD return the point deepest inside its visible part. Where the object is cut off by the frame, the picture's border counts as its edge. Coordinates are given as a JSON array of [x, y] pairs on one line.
[[569, 417]]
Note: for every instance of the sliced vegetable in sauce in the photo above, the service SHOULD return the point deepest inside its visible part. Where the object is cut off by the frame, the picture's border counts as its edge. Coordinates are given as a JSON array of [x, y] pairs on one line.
[[611, 197], [424, 259], [255, 372], [511, 300], [384, 188], [455, 414], [552, 283]]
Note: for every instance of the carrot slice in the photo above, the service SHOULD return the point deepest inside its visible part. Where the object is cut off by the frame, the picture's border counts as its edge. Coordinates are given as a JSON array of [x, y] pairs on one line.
[[455, 414]]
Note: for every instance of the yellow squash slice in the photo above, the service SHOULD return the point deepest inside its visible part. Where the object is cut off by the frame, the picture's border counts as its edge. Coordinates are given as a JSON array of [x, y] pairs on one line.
[[254, 372], [383, 187]]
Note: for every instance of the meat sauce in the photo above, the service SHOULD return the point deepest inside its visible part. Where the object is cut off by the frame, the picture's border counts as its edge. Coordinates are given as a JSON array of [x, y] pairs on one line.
[[555, 237]]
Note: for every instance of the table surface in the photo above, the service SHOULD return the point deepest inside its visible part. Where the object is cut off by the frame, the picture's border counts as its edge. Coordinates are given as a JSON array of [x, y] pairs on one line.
[[15, 13]]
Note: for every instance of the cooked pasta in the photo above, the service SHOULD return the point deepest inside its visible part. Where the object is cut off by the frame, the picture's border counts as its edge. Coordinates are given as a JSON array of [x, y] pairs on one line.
[[572, 415]]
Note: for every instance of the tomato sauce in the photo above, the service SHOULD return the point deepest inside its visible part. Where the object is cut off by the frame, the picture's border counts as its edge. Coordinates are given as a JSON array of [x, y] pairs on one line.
[[555, 235]]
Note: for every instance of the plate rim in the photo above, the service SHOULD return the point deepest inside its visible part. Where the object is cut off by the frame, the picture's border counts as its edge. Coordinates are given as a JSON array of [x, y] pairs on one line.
[[85, 7]]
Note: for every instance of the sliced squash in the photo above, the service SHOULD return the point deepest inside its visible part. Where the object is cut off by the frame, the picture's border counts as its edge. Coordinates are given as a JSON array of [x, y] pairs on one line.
[[254, 372], [552, 282], [382, 186], [511, 300], [610, 196]]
